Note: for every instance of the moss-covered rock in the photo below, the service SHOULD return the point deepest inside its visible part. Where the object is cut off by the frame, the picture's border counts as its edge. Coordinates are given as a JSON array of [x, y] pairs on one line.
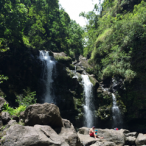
[[93, 81], [63, 58]]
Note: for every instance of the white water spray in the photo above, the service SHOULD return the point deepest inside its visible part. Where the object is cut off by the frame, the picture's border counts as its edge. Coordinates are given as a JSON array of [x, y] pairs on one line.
[[88, 87], [117, 117], [75, 72], [48, 69]]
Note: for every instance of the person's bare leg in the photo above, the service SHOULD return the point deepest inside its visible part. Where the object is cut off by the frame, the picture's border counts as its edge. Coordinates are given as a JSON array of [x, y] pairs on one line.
[[100, 137], [95, 135]]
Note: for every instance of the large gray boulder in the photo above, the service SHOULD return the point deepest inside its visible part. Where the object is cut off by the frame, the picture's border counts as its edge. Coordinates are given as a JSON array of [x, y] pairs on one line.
[[124, 131], [83, 134], [43, 114], [104, 143], [111, 135], [39, 135], [84, 130], [73, 140], [141, 139], [130, 140], [19, 135], [86, 140]]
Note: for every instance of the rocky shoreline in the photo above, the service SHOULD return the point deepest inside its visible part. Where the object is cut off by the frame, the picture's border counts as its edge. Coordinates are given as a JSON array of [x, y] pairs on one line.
[[42, 125]]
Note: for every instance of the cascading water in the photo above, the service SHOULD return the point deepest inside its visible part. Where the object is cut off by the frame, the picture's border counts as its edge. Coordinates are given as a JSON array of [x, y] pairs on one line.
[[88, 87], [47, 75], [75, 69], [117, 117], [75, 72]]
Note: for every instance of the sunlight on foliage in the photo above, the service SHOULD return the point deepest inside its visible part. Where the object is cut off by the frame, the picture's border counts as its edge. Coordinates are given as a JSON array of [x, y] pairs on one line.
[[27, 99], [119, 37], [12, 111], [103, 36]]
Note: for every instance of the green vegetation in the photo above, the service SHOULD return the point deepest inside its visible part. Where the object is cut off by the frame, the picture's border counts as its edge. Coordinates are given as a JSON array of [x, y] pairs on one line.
[[89, 70], [113, 40], [115, 43], [2, 49], [104, 112], [38, 25], [78, 107], [119, 36], [93, 80], [24, 102], [2, 78], [12, 111], [64, 59], [28, 26], [90, 31]]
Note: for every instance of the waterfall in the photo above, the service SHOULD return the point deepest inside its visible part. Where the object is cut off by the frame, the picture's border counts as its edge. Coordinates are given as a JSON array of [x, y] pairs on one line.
[[75, 72], [88, 95], [47, 75], [117, 117]]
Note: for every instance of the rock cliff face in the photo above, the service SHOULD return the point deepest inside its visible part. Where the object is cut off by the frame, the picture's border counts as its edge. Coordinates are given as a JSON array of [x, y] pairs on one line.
[[68, 88], [130, 102], [25, 71]]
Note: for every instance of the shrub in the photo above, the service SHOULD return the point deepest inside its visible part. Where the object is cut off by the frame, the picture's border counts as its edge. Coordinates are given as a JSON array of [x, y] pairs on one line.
[[26, 100], [12, 111], [89, 70]]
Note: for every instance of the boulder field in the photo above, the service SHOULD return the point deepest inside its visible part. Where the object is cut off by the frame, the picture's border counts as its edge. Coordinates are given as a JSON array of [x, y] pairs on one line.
[[112, 137], [42, 125]]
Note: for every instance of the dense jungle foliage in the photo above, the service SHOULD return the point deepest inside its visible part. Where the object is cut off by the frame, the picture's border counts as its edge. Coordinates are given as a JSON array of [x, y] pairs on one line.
[[116, 47], [27, 25], [113, 40], [38, 24], [116, 37]]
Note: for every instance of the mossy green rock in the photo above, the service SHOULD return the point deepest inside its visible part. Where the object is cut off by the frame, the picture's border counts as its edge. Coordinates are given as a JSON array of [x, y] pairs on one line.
[[63, 58]]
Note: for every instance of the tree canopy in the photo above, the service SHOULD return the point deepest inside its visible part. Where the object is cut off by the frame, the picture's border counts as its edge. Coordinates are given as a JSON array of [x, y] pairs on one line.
[[38, 24], [115, 37]]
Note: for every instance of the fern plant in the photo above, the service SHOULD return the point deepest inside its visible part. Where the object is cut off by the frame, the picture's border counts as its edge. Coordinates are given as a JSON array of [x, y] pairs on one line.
[[12, 111], [26, 100]]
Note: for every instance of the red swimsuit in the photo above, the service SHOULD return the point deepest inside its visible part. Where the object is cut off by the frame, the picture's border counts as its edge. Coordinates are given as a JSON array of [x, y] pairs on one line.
[[92, 134]]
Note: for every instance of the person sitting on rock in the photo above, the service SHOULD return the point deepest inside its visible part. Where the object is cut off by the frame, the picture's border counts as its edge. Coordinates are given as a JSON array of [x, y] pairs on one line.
[[93, 134]]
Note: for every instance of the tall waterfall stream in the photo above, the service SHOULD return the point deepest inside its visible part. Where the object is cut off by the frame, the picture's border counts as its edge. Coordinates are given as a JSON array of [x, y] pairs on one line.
[[116, 113], [47, 75], [88, 87], [48, 96], [117, 118]]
